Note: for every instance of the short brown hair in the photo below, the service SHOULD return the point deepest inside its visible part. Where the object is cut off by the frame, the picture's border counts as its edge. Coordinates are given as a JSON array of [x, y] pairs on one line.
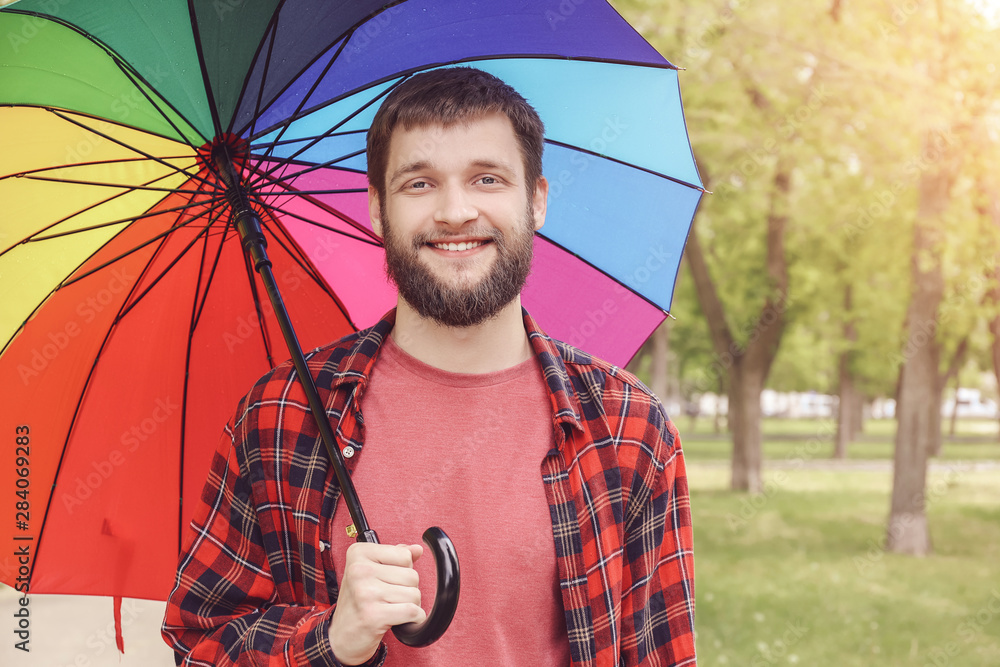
[[447, 96]]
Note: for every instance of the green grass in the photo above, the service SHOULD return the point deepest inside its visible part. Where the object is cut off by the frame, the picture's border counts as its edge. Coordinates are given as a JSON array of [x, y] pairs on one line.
[[877, 428], [798, 576], [809, 449], [812, 439]]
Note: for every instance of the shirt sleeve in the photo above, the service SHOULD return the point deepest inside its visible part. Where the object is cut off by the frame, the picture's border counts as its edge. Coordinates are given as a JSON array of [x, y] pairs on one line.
[[658, 577], [224, 607]]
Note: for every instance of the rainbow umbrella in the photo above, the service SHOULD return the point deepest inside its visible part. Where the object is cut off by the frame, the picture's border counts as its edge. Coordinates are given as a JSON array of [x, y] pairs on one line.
[[131, 321]]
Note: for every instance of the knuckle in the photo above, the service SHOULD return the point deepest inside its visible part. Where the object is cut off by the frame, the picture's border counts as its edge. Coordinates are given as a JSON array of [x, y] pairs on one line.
[[357, 571]]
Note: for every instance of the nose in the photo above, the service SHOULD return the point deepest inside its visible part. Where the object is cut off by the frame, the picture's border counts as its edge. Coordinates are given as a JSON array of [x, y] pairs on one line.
[[455, 206]]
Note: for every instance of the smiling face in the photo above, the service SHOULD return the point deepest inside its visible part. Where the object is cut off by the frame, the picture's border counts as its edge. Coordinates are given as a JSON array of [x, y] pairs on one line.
[[458, 219]]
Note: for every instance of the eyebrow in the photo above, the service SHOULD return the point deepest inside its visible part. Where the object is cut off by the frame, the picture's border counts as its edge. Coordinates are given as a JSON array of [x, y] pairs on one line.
[[408, 168], [421, 165]]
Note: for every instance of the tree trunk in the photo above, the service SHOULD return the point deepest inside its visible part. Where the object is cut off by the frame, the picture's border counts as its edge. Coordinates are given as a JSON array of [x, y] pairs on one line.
[[935, 433], [858, 421], [658, 372], [719, 389], [745, 387], [953, 368], [994, 296], [845, 410], [746, 367], [954, 412], [846, 391], [920, 375]]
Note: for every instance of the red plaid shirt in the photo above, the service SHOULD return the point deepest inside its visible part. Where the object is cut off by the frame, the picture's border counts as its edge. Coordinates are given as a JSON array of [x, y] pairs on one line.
[[254, 588]]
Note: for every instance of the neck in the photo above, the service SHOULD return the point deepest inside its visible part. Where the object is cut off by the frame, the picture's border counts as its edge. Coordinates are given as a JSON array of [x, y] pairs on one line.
[[493, 345]]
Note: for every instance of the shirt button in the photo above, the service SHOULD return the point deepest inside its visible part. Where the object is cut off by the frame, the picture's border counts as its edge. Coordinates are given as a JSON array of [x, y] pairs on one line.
[[348, 452]]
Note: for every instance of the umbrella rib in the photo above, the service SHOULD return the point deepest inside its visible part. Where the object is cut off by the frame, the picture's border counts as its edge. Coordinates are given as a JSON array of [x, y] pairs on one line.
[[404, 74], [210, 96], [299, 257], [287, 162], [34, 237], [584, 260], [194, 176], [288, 142], [195, 317], [666, 64], [79, 401], [272, 30], [163, 234], [328, 228], [40, 170], [111, 53], [311, 166], [149, 214], [341, 123], [281, 193], [70, 281], [329, 209], [125, 186], [312, 89], [59, 112], [135, 81], [626, 164], [269, 173], [203, 232], [346, 37], [196, 313]]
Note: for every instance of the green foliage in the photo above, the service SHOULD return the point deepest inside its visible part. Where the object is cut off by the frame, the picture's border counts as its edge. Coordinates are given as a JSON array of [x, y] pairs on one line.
[[859, 110]]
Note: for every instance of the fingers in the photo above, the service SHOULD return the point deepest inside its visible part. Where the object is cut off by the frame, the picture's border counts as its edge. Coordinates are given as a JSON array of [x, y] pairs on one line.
[[372, 573], [378, 589], [400, 555], [416, 550]]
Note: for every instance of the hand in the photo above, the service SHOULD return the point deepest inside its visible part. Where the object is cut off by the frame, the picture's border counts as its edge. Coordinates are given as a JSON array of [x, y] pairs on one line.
[[377, 591]]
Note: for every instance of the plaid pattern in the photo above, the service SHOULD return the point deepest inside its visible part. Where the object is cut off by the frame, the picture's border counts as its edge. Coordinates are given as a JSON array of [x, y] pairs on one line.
[[254, 588]]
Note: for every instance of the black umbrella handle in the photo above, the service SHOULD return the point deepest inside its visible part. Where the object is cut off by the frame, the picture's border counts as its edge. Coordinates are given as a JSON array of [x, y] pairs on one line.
[[248, 224], [449, 583]]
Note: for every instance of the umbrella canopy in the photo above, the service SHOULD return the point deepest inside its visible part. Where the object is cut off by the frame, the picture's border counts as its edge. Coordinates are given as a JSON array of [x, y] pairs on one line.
[[132, 323]]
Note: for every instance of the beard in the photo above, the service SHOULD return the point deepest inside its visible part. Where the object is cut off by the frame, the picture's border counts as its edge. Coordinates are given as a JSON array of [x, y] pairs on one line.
[[456, 305]]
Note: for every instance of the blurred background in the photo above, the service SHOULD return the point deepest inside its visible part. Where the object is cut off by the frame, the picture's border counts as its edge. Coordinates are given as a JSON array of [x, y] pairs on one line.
[[833, 363]]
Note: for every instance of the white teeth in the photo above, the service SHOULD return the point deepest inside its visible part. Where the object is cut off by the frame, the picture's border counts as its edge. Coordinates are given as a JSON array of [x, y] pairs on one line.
[[464, 245]]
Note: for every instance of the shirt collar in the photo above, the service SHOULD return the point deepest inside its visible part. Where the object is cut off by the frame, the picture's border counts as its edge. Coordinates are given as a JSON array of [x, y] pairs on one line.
[[356, 366]]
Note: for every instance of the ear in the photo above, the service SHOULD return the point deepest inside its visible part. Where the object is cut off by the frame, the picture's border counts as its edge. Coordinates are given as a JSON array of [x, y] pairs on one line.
[[539, 202], [374, 211]]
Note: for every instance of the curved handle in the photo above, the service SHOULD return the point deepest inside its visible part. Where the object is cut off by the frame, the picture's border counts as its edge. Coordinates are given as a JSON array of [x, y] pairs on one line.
[[445, 599]]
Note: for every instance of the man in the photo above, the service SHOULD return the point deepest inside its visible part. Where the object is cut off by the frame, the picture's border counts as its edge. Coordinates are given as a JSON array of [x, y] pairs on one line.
[[559, 477]]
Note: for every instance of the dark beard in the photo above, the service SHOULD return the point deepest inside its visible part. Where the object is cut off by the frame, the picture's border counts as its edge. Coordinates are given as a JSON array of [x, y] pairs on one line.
[[457, 306]]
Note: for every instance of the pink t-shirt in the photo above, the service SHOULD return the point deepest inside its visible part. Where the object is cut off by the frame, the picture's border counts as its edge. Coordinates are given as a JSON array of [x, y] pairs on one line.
[[464, 452]]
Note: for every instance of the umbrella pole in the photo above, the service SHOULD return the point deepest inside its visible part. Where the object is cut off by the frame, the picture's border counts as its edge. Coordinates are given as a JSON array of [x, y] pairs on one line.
[[248, 224]]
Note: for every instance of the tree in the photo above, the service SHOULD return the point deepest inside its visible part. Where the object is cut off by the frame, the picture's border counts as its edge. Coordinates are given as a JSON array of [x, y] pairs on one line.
[[948, 43], [759, 97]]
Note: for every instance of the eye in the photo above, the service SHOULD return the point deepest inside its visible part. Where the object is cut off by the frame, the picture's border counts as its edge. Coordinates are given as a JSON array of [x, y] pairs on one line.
[[488, 180]]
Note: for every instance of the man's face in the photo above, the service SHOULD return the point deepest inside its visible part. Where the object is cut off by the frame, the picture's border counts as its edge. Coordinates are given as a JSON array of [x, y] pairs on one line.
[[458, 219]]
